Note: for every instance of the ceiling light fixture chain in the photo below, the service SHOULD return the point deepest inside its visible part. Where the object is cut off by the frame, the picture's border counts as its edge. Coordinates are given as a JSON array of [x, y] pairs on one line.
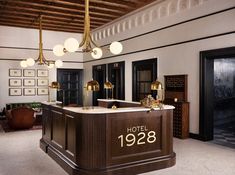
[[71, 44], [41, 60]]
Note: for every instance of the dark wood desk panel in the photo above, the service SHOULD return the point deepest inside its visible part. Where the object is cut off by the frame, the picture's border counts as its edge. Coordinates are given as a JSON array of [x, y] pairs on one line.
[[116, 143]]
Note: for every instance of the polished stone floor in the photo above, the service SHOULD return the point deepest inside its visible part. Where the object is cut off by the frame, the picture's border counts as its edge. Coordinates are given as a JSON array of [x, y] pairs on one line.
[[20, 154]]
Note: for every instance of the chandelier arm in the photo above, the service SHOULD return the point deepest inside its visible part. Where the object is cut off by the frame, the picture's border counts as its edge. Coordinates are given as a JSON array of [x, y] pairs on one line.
[[87, 41], [93, 41]]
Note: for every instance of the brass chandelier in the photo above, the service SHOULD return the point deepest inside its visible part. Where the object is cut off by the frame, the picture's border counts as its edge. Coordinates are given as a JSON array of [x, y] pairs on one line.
[[41, 60], [71, 44]]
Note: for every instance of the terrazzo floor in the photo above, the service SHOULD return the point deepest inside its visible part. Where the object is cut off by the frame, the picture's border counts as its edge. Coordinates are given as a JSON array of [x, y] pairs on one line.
[[20, 154]]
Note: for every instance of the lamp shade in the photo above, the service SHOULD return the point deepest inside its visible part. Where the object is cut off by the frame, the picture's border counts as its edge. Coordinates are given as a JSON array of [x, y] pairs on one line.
[[30, 61], [23, 63], [156, 85], [92, 85], [58, 63], [55, 85], [71, 44], [108, 85], [58, 50], [96, 53], [116, 47]]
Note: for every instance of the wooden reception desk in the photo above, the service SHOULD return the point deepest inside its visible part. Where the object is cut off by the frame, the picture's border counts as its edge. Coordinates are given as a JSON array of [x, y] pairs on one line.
[[105, 141]]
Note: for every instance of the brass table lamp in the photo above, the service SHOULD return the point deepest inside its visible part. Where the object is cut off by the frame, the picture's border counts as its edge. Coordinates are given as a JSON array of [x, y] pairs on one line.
[[157, 86], [92, 85], [109, 85], [53, 85]]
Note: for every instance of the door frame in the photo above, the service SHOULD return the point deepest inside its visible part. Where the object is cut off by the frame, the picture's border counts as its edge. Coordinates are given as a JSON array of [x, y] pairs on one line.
[[153, 62], [206, 98], [74, 70], [101, 67], [118, 65]]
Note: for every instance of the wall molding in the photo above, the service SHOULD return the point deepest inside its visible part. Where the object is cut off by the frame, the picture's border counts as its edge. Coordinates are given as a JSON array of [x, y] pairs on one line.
[[173, 25], [143, 50], [10, 59], [163, 46], [148, 14]]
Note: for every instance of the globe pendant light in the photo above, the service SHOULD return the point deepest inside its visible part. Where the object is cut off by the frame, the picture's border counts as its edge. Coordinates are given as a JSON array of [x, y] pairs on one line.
[[41, 59], [88, 45]]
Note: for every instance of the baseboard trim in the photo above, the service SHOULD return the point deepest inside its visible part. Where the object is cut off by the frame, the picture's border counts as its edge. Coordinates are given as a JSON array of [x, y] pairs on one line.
[[195, 136]]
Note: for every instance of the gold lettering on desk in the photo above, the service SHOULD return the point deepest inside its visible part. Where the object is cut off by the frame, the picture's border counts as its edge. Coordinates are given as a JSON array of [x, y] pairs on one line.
[[142, 136], [136, 129]]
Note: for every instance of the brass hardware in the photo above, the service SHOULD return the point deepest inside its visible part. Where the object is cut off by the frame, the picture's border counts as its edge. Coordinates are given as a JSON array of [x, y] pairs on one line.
[[92, 85], [109, 85], [156, 85]]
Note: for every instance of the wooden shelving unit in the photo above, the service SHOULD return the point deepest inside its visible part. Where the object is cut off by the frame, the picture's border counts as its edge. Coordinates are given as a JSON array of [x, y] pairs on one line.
[[176, 87]]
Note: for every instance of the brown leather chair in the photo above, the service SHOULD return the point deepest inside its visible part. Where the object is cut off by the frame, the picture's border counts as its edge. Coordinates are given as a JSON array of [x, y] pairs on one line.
[[21, 118]]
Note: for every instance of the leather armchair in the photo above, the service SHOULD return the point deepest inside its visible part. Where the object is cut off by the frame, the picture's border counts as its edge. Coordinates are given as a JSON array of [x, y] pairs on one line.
[[20, 118]]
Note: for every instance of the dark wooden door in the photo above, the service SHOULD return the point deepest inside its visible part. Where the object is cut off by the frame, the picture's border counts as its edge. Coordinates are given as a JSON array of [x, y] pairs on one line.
[[99, 74], [71, 81], [144, 73], [116, 75], [208, 88]]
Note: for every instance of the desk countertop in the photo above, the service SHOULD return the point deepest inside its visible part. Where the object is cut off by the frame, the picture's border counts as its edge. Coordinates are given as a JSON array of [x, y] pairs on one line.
[[102, 110]]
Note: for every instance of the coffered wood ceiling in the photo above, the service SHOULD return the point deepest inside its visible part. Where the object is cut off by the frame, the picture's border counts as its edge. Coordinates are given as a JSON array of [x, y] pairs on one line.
[[64, 15]]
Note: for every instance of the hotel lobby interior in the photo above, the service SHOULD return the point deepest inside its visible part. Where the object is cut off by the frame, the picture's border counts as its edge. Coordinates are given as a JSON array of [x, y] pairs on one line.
[[117, 87]]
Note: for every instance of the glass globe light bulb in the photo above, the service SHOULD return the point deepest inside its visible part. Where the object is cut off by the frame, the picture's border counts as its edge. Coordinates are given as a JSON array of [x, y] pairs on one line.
[[116, 47], [58, 50], [50, 66], [23, 63], [71, 44], [96, 53], [58, 63], [30, 61]]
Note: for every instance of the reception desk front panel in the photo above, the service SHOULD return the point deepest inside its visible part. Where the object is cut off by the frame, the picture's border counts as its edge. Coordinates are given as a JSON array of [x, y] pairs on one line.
[[125, 142]]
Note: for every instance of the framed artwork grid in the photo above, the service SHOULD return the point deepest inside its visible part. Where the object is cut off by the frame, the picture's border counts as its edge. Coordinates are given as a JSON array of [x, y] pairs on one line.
[[29, 73], [42, 73], [42, 82], [42, 91], [29, 91], [29, 82], [15, 72], [15, 82], [15, 91]]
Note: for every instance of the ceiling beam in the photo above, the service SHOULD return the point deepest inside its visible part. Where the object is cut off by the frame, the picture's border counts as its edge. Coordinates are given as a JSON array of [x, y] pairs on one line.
[[59, 8], [28, 25], [48, 12]]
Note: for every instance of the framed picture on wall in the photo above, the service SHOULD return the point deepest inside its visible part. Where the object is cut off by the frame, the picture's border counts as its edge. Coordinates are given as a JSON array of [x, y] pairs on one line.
[[15, 82], [42, 73], [42, 91], [15, 72], [15, 91], [29, 82], [42, 82], [29, 73], [29, 91]]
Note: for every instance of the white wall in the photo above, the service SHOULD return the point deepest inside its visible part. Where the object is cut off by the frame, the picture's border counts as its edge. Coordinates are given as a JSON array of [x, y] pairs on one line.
[[177, 59], [24, 39]]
